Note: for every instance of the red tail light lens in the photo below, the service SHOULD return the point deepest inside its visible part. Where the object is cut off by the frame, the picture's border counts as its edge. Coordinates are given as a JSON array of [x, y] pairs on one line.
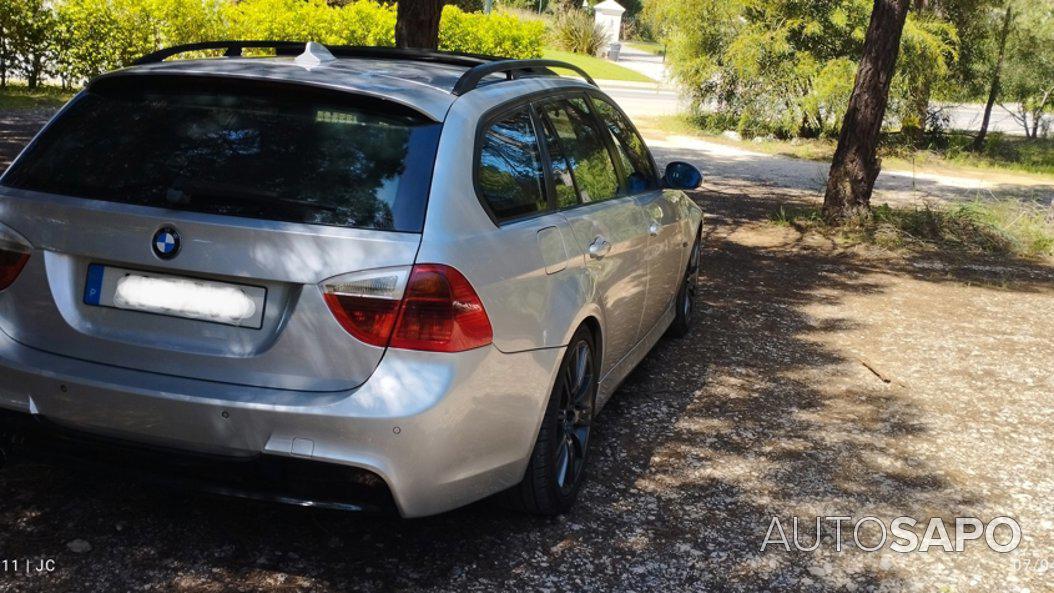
[[441, 313], [14, 253], [429, 307], [369, 320], [11, 264], [367, 303]]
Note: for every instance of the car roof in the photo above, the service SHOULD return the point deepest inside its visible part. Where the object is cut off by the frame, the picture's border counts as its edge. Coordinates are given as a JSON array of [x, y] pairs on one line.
[[426, 86]]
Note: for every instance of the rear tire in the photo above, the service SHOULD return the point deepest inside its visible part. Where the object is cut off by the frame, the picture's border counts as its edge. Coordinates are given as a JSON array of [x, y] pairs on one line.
[[557, 466], [685, 302]]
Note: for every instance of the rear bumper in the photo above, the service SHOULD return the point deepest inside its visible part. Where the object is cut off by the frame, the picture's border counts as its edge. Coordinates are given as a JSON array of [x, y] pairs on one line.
[[287, 480], [441, 430]]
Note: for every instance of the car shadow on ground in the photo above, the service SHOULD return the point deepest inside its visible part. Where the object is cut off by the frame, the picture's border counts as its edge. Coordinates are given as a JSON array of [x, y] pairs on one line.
[[753, 415]]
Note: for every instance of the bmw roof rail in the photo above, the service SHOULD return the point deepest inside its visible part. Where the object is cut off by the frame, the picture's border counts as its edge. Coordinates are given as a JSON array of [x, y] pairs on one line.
[[480, 66], [233, 49], [513, 69]]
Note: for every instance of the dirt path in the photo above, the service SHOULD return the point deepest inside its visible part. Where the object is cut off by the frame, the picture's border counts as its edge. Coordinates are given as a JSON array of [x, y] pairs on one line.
[[804, 178], [767, 409]]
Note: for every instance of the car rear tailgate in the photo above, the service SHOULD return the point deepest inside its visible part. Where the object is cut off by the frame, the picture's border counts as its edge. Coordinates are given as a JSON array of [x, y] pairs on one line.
[[299, 346]]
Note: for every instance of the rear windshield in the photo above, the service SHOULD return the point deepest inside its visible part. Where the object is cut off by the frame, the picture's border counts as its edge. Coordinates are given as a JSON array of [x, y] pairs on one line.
[[259, 150]]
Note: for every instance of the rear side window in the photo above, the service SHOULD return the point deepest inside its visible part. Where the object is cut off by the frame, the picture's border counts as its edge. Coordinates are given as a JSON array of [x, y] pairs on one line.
[[510, 176], [560, 168], [583, 146], [240, 148], [636, 161]]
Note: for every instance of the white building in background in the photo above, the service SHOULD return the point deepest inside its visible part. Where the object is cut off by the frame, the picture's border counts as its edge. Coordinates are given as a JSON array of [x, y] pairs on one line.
[[608, 15]]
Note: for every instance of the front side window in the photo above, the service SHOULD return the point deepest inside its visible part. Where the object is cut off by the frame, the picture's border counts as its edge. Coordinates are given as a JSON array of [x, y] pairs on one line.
[[510, 176], [239, 148], [636, 161], [583, 146]]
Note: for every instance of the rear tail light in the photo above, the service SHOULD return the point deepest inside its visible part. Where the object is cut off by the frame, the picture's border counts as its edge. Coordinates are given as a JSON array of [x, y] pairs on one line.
[[14, 253], [367, 303], [441, 312], [427, 307]]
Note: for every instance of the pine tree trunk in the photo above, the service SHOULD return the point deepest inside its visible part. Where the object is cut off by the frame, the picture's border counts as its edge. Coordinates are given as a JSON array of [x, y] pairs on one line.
[[993, 91], [417, 23], [856, 164]]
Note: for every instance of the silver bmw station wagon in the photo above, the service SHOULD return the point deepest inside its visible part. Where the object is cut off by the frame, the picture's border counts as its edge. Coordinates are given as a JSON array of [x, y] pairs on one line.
[[336, 276]]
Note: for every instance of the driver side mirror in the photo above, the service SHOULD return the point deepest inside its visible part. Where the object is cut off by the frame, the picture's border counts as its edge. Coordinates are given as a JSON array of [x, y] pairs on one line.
[[681, 175]]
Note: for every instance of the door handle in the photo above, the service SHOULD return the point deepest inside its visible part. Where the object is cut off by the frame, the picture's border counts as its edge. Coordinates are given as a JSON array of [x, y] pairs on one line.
[[654, 228], [599, 247]]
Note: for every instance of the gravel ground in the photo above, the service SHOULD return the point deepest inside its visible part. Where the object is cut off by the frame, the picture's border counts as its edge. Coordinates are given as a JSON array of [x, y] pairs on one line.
[[820, 381]]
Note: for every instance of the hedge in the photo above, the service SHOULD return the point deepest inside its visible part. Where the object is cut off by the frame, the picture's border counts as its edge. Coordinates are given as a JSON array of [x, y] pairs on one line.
[[359, 23], [89, 37], [493, 34]]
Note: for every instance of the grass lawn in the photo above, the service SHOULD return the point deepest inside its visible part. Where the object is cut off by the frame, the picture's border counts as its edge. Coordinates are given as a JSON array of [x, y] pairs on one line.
[[598, 68], [1002, 152], [19, 97], [651, 47]]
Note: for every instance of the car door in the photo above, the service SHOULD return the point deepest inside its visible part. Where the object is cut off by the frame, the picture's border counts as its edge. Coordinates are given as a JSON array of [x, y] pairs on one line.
[[606, 222], [666, 242]]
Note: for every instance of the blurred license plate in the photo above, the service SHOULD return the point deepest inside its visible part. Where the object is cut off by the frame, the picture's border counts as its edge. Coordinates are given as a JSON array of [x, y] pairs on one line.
[[174, 296]]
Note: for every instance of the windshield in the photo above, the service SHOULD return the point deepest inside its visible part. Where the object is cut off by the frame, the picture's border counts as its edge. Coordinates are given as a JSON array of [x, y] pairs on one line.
[[239, 148]]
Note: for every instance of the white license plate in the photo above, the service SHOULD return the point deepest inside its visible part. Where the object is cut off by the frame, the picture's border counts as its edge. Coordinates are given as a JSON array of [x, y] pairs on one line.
[[174, 296]]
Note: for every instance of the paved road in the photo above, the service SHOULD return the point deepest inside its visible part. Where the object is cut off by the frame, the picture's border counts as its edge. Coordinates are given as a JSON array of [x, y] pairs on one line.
[[657, 100], [969, 116], [664, 99], [649, 65], [645, 100]]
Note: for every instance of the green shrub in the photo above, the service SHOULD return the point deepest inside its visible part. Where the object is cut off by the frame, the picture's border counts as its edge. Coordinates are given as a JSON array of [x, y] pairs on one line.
[[519, 4], [825, 103], [577, 32], [635, 28], [712, 122], [358, 23], [80, 39], [492, 34], [96, 36]]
